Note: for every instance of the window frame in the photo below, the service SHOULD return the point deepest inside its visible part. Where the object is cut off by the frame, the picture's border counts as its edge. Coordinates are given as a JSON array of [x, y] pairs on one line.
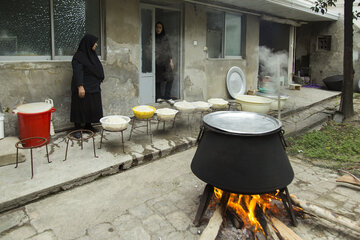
[[52, 57], [223, 37]]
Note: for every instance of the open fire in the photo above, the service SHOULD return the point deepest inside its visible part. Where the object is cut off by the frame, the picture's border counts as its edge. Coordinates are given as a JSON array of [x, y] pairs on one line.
[[245, 206], [253, 213]]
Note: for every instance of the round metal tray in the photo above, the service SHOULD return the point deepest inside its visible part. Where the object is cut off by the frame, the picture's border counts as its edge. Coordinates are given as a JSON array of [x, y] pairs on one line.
[[242, 123]]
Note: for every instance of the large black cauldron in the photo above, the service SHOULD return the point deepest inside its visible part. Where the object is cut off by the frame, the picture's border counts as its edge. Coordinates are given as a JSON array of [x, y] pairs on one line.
[[242, 152]]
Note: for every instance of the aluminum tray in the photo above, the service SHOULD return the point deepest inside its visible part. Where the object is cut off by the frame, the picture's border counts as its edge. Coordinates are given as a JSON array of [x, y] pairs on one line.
[[242, 123]]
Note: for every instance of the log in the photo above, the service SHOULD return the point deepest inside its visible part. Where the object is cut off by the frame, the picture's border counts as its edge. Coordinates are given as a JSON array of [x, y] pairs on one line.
[[348, 179], [284, 231], [326, 214], [270, 229], [212, 229]]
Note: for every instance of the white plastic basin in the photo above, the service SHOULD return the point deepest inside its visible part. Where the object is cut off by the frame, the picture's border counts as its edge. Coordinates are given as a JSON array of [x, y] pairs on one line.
[[218, 103], [115, 122], [251, 103], [274, 96], [185, 107], [166, 114], [202, 106]]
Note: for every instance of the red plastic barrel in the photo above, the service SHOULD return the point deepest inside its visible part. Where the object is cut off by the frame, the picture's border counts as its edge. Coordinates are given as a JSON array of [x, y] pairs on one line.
[[34, 121]]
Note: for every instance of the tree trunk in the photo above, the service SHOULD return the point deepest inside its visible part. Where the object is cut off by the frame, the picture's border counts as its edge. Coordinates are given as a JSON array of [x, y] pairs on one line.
[[346, 105]]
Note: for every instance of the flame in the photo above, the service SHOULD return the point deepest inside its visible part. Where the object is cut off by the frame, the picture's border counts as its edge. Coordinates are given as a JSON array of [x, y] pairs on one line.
[[245, 205]]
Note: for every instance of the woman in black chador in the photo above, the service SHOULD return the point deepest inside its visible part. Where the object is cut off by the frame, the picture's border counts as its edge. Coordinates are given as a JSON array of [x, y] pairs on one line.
[[88, 74], [164, 64]]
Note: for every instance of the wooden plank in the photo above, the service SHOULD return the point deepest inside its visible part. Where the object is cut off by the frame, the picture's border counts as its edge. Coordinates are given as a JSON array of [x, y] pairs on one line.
[[212, 229], [348, 179], [285, 232]]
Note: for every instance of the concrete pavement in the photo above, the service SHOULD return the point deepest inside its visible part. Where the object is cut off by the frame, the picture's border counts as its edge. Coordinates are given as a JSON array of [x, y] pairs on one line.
[[159, 201]]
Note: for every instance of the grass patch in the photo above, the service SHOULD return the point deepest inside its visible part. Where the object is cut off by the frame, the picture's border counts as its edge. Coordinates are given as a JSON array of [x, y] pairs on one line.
[[334, 146]]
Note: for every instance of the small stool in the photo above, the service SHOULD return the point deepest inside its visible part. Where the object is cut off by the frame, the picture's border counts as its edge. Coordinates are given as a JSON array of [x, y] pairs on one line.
[[81, 139], [122, 137], [41, 142], [148, 126]]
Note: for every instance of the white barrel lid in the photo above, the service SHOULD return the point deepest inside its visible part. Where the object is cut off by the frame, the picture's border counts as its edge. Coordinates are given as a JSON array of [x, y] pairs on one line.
[[36, 107]]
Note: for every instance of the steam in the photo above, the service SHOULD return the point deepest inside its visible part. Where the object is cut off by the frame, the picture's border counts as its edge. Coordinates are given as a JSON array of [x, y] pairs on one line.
[[270, 63]]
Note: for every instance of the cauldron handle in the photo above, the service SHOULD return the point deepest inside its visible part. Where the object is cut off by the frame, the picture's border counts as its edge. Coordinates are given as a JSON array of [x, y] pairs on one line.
[[201, 133], [282, 133]]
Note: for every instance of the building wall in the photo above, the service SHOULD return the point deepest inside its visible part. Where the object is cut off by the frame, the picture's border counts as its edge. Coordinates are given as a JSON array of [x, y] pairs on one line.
[[327, 63], [26, 82], [206, 78]]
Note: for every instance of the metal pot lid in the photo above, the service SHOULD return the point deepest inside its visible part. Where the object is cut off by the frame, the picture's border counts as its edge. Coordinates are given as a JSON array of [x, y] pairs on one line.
[[242, 123], [272, 95], [36, 107]]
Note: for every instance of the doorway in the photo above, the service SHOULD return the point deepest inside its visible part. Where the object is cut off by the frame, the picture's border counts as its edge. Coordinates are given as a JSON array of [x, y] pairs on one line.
[[171, 19], [276, 53]]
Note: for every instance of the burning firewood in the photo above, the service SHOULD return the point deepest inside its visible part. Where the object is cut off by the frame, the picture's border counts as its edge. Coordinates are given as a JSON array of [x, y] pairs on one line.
[[270, 230], [284, 231], [212, 229], [326, 214]]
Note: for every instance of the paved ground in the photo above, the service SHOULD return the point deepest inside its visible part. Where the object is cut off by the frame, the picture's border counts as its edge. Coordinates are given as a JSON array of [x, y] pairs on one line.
[[152, 201], [158, 201]]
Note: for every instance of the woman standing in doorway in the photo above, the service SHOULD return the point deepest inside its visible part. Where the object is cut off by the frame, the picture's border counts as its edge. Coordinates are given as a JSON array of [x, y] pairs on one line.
[[88, 74], [164, 64]]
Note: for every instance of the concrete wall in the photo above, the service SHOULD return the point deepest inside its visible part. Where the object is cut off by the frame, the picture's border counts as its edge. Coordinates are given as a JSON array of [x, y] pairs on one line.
[[327, 63], [206, 78], [26, 82]]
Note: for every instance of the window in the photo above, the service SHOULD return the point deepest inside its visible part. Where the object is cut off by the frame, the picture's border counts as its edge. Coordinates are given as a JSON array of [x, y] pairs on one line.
[[46, 29], [324, 43], [224, 35]]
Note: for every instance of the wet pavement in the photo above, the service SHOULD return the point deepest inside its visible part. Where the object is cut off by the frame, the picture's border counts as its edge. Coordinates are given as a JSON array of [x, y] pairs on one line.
[[157, 200]]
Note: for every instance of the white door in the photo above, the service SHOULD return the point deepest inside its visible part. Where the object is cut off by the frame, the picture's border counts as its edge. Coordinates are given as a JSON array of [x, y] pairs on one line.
[[147, 57]]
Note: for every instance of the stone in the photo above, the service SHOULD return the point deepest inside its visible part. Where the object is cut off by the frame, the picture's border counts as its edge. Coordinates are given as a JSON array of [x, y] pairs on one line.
[[12, 219], [141, 211], [157, 225], [46, 235], [164, 207], [20, 233], [179, 220], [125, 222], [181, 236], [137, 233], [103, 231]]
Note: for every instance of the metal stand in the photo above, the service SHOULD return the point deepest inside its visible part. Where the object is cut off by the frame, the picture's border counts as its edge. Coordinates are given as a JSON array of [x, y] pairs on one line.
[[148, 126], [81, 139], [39, 143], [122, 137], [163, 121], [233, 105]]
